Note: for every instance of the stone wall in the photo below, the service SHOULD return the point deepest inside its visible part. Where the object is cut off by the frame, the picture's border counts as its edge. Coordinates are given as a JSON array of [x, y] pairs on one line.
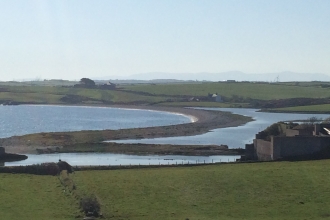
[[319, 128], [263, 149], [250, 152], [291, 132], [2, 151], [297, 143], [298, 146], [287, 147]]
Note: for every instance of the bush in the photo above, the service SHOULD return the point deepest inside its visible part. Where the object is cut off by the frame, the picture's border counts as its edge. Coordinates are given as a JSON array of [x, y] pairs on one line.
[[64, 166], [90, 205]]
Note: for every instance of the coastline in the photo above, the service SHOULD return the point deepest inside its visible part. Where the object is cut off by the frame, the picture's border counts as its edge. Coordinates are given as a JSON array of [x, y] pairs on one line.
[[202, 121], [173, 110], [293, 112]]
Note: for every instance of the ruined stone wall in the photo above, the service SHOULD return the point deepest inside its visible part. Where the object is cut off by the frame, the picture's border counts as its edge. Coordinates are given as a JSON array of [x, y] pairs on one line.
[[250, 152], [263, 149], [298, 146], [2, 150], [291, 132]]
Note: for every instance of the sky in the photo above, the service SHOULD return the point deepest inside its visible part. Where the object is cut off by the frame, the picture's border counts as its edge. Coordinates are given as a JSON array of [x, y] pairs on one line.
[[42, 39]]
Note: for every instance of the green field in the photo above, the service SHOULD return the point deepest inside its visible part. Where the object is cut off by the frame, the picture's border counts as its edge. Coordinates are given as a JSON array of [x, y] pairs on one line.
[[278, 190], [307, 108], [263, 91], [235, 95], [274, 190], [53, 95], [33, 197]]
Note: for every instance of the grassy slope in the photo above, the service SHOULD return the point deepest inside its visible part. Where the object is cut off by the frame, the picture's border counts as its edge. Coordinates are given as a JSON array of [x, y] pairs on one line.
[[34, 197], [163, 92], [307, 108], [236, 191], [251, 90], [52, 95]]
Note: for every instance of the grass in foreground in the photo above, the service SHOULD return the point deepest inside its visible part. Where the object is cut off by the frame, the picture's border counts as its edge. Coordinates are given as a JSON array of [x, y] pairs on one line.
[[34, 197], [281, 190]]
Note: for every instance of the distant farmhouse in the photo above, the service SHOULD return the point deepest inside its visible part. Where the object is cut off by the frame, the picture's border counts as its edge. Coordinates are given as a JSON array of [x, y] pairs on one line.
[[211, 97], [283, 141], [108, 85], [214, 97]]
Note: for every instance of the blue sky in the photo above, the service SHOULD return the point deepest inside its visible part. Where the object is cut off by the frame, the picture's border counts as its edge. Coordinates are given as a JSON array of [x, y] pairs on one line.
[[75, 39]]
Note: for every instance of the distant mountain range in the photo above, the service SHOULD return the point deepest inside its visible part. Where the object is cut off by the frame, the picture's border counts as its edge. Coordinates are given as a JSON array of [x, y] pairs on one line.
[[232, 75]]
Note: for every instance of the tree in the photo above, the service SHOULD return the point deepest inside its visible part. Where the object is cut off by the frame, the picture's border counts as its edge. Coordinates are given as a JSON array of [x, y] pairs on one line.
[[87, 82]]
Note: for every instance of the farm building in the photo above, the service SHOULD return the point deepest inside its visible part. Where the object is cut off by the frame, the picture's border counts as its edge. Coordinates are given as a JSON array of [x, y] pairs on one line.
[[298, 142], [214, 97]]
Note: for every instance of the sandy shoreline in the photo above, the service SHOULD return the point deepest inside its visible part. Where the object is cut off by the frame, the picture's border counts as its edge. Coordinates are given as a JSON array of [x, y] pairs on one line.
[[202, 121], [192, 115]]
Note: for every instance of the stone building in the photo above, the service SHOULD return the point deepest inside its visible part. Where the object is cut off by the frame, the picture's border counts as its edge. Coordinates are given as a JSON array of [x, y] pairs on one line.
[[294, 143]]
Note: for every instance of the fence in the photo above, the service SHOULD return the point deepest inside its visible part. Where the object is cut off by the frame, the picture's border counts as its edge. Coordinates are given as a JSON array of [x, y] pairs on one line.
[[152, 165]]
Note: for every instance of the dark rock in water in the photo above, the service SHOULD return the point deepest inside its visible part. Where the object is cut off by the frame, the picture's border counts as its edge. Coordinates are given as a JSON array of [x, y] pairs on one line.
[[4, 157], [12, 157]]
